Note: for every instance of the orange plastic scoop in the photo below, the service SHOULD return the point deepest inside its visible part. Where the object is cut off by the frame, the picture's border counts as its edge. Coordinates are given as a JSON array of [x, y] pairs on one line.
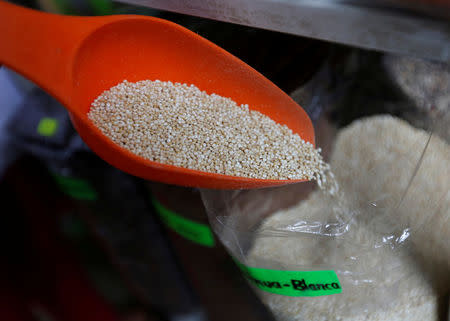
[[77, 58]]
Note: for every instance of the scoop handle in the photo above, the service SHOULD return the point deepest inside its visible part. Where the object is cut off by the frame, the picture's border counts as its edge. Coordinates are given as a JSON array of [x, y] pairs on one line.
[[41, 46]]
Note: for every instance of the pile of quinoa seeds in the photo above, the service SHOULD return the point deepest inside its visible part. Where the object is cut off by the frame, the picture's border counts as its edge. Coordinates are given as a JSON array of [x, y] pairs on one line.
[[179, 124]]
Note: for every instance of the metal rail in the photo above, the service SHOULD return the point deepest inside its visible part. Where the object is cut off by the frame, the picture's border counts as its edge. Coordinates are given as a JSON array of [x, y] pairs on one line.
[[416, 30]]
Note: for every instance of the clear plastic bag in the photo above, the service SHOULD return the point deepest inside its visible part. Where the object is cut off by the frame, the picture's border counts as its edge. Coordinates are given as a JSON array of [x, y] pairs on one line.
[[384, 232]]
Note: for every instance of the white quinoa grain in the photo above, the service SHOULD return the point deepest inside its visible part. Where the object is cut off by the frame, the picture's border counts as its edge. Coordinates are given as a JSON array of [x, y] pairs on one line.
[[373, 160], [178, 124]]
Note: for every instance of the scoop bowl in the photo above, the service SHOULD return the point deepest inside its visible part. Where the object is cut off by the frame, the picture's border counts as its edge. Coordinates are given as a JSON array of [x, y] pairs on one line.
[[75, 59]]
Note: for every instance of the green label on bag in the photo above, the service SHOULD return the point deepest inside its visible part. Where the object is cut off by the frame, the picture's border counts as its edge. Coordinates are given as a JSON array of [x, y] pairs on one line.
[[193, 231], [293, 283], [47, 126], [76, 188]]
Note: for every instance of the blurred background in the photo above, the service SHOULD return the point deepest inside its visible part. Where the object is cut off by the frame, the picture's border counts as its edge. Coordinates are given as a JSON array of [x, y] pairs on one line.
[[85, 241]]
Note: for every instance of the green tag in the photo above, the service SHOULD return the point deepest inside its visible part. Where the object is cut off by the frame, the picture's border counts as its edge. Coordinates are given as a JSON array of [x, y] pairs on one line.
[[293, 283], [193, 231], [41, 314], [76, 188], [101, 7], [47, 126]]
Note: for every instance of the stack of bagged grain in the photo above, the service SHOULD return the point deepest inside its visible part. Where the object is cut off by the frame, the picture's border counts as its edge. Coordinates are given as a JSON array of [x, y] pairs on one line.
[[427, 85], [385, 274]]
